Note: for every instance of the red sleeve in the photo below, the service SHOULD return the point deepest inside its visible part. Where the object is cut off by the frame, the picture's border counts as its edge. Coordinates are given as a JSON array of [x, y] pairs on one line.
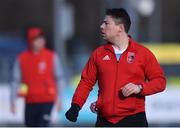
[[88, 80], [156, 81]]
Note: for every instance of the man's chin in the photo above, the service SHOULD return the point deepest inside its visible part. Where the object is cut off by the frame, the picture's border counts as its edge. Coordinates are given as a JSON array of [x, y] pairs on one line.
[[107, 40], [104, 38]]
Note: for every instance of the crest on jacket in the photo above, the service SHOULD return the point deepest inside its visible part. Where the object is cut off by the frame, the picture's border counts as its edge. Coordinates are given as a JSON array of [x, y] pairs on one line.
[[130, 57], [42, 67]]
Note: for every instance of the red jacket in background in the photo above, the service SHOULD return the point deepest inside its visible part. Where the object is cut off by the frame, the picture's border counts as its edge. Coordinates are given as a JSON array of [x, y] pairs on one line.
[[136, 65], [37, 72]]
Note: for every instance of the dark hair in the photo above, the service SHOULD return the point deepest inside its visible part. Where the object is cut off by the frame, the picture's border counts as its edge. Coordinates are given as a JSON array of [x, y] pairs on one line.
[[121, 17]]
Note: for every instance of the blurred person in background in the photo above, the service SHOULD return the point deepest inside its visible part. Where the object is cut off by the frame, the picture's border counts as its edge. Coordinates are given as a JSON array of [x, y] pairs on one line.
[[38, 77], [126, 72]]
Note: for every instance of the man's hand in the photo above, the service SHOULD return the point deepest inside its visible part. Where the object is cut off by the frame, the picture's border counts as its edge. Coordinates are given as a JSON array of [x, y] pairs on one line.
[[93, 107], [73, 113], [130, 89]]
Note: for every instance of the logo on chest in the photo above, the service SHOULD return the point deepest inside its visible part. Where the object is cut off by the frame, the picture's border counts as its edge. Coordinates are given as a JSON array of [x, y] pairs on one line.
[[106, 57], [130, 57], [42, 67]]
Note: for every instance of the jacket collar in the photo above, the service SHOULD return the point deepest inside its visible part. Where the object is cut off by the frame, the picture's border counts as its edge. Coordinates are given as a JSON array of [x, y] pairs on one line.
[[108, 45], [39, 53]]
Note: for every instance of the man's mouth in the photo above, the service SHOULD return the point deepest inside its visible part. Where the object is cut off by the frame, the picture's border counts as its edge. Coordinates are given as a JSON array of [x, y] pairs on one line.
[[102, 33]]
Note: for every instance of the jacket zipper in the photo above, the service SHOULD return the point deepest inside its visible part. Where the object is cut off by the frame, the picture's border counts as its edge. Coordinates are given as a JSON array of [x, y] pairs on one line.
[[116, 80], [117, 72], [114, 98]]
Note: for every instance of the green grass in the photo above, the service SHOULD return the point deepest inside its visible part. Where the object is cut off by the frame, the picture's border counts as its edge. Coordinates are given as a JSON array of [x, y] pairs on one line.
[[173, 81]]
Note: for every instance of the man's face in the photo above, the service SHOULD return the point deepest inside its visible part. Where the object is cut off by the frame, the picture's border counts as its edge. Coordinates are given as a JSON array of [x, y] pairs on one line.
[[38, 43], [109, 29]]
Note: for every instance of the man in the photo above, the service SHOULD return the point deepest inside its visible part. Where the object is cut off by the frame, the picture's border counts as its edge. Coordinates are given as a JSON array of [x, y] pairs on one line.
[[38, 71], [126, 72]]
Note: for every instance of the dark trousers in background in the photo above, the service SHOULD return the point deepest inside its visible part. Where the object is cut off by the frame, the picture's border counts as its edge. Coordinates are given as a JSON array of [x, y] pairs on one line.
[[137, 120], [38, 115]]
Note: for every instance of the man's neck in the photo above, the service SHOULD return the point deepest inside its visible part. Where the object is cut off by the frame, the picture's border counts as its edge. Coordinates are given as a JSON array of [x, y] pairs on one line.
[[122, 42], [36, 51]]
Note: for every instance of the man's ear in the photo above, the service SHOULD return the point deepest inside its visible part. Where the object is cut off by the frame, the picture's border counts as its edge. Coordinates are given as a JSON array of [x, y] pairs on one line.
[[121, 27]]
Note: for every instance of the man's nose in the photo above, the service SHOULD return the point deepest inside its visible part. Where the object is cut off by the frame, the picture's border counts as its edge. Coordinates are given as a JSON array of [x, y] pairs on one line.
[[102, 26]]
